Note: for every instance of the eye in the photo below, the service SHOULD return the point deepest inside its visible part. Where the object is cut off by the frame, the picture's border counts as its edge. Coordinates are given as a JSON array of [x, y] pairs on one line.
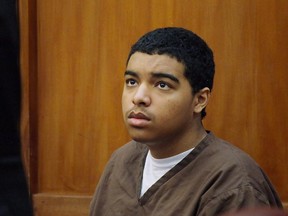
[[131, 82], [163, 85]]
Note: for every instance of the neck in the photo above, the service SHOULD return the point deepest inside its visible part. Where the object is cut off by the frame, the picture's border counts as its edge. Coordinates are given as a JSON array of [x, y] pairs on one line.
[[177, 144]]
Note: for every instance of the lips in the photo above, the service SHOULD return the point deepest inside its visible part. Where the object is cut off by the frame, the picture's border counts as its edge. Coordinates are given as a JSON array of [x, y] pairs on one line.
[[138, 119], [138, 115]]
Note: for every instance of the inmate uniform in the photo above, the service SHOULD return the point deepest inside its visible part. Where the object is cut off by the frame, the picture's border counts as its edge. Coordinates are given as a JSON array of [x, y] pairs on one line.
[[213, 178]]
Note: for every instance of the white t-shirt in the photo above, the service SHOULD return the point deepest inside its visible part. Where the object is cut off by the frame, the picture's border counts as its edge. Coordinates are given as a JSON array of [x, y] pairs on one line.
[[154, 168]]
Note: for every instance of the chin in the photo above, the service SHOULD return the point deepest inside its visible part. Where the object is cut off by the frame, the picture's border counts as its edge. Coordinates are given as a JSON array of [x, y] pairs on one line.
[[140, 139], [139, 135]]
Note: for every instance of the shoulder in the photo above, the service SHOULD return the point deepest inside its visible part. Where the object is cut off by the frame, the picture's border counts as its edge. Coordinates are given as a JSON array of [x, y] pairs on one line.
[[228, 158], [129, 151], [226, 155], [233, 173], [128, 157]]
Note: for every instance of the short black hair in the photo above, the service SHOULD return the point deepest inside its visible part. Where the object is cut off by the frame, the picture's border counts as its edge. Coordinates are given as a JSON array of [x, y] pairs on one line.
[[187, 47]]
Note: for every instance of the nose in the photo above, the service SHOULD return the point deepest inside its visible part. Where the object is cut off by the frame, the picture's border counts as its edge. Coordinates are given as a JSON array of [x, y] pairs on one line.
[[142, 96]]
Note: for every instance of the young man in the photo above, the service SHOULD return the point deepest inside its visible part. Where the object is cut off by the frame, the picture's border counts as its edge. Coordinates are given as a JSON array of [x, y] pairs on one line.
[[173, 166]]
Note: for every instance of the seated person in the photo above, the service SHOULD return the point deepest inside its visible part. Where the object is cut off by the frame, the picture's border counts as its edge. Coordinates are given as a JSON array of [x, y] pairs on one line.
[[173, 165]]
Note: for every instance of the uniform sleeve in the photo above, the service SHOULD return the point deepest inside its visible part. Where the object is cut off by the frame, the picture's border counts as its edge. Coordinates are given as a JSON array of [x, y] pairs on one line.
[[242, 197]]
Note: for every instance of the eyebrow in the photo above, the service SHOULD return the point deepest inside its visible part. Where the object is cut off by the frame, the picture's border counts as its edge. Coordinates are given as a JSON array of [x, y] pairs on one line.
[[165, 75], [131, 73], [154, 74]]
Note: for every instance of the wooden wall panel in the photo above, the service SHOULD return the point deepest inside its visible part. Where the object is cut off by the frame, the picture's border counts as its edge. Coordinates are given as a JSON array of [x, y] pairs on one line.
[[72, 82], [61, 205], [250, 85]]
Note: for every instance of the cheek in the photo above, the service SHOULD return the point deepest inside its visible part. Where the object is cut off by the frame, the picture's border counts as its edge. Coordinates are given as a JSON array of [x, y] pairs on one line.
[[124, 105], [125, 100], [175, 110], [184, 105]]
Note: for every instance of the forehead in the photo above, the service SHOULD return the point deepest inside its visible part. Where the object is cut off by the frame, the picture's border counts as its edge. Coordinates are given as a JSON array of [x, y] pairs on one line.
[[142, 62]]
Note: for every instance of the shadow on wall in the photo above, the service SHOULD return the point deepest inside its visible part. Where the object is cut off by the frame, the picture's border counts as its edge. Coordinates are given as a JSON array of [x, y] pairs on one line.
[[14, 197]]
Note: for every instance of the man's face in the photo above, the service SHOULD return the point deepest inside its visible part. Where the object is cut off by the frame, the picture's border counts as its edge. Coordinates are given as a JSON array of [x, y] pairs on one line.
[[157, 100]]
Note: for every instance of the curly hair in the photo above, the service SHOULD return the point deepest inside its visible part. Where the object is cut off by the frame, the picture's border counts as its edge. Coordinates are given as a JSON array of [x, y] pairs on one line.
[[187, 47]]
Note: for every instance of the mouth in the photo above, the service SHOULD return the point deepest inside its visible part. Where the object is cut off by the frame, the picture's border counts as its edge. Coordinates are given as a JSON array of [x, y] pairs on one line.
[[138, 115], [138, 119]]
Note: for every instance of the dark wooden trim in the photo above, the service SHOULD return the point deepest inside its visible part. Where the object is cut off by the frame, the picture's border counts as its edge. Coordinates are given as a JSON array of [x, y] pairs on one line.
[[28, 58], [33, 95]]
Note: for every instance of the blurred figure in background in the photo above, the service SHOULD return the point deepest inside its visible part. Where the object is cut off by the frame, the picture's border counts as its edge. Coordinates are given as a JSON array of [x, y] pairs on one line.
[[14, 196]]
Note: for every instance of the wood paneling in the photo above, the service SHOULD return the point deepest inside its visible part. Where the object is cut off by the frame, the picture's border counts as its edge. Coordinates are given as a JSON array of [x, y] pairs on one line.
[[61, 205], [250, 85], [73, 57]]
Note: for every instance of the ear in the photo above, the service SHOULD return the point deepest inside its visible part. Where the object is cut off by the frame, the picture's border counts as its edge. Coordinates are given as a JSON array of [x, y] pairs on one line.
[[201, 99]]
